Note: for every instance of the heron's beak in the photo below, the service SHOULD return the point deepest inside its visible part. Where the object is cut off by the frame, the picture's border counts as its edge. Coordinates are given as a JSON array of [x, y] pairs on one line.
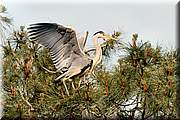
[[107, 37]]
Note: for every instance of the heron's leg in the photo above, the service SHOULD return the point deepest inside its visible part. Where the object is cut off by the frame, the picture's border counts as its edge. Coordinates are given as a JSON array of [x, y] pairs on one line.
[[65, 86], [93, 74], [73, 85], [81, 79], [79, 82]]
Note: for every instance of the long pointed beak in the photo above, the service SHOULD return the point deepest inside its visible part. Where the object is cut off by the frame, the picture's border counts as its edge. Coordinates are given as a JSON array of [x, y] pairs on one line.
[[107, 37]]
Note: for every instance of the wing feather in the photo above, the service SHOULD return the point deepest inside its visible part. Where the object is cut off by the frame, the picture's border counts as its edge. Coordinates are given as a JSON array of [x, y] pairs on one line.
[[82, 41], [62, 43]]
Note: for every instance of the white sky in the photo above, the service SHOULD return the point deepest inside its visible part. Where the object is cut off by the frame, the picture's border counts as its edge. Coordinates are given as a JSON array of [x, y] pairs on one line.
[[96, 1], [153, 21]]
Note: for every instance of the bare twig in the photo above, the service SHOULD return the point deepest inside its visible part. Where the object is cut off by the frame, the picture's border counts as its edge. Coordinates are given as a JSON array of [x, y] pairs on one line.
[[26, 101]]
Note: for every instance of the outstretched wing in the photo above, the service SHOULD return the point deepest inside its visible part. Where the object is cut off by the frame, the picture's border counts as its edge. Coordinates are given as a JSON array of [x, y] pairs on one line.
[[61, 41], [82, 41]]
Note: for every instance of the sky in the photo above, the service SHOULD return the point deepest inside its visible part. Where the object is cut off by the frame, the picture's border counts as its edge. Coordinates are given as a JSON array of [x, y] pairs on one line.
[[154, 21]]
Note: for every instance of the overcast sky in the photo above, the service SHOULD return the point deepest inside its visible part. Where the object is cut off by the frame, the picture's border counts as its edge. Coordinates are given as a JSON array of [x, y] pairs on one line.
[[153, 21]]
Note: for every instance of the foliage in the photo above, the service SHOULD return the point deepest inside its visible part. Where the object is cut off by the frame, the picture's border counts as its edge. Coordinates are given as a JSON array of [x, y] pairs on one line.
[[177, 73], [140, 86], [5, 23]]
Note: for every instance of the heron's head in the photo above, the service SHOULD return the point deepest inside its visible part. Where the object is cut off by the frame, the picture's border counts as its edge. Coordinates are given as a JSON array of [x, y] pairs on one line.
[[101, 34]]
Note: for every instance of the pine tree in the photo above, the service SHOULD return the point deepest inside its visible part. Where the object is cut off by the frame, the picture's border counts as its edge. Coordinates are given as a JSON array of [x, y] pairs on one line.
[[5, 23]]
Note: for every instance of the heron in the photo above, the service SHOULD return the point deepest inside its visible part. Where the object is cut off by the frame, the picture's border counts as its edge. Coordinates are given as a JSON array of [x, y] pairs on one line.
[[65, 50]]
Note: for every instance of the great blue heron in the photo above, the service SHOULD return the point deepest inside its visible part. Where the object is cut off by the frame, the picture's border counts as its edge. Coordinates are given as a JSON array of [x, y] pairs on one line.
[[66, 53]]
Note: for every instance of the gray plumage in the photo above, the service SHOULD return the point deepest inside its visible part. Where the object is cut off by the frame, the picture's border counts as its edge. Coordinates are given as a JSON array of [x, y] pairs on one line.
[[64, 48], [66, 51]]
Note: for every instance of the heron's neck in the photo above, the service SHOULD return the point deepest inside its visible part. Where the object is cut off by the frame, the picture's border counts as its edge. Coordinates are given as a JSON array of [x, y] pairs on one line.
[[98, 55]]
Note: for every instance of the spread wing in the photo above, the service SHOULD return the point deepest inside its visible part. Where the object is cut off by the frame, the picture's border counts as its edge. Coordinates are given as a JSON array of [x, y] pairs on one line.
[[61, 42], [82, 41]]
